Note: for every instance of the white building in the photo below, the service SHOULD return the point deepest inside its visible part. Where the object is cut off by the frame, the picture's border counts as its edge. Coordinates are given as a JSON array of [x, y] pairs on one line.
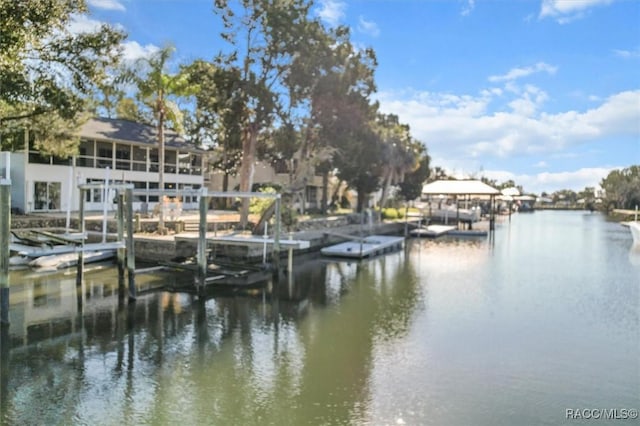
[[118, 150]]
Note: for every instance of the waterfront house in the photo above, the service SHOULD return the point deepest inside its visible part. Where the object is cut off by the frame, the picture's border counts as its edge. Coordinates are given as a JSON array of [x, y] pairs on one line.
[[119, 150], [265, 175]]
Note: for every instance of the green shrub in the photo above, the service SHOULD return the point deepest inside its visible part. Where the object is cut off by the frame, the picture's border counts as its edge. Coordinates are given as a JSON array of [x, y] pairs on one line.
[[390, 213], [258, 206]]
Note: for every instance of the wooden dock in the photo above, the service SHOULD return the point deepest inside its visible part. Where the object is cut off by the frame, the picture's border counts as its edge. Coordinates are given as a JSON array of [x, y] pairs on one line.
[[432, 231], [364, 247], [259, 241]]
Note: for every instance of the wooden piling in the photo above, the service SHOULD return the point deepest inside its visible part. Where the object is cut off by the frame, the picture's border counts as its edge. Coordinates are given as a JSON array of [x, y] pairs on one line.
[[80, 267], [276, 236], [202, 239], [130, 246], [5, 229], [121, 250]]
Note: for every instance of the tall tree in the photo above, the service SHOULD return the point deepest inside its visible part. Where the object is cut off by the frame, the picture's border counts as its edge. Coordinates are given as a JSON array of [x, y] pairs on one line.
[[622, 188], [398, 150], [46, 69], [340, 110], [264, 37], [411, 186], [157, 91], [214, 122]]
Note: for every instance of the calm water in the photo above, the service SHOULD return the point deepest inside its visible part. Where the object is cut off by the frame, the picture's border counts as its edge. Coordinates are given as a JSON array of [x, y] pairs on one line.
[[448, 332]]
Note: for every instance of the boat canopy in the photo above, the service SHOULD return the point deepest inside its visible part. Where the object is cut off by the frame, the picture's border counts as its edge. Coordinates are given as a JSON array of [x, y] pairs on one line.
[[459, 187]]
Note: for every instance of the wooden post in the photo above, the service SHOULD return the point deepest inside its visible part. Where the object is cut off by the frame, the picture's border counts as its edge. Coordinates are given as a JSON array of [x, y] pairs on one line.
[[276, 236], [4, 367], [492, 214], [121, 250], [80, 268], [5, 229], [202, 239], [130, 251]]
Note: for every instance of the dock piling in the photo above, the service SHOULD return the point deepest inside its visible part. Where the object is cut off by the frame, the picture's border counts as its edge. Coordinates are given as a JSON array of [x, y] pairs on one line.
[[129, 243], [202, 239], [121, 250], [276, 237], [80, 268], [5, 228]]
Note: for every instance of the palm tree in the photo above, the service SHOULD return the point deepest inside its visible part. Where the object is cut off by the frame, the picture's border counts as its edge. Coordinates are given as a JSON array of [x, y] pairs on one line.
[[156, 88]]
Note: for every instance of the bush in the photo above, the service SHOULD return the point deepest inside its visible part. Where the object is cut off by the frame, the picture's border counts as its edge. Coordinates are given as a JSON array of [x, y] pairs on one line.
[[258, 206], [390, 213]]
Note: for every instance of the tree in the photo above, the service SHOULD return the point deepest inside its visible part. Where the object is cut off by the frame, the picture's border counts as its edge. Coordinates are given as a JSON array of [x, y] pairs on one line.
[[156, 91], [214, 122], [397, 149], [264, 37], [411, 186], [622, 188], [46, 70]]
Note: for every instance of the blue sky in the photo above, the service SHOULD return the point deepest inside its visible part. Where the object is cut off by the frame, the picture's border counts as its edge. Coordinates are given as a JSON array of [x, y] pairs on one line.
[[544, 92]]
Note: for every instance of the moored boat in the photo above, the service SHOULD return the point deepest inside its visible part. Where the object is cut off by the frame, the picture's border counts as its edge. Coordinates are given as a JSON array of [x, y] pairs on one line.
[[635, 232], [66, 260]]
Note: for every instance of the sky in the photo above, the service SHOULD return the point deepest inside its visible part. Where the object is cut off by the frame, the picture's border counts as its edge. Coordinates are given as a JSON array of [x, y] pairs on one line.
[[543, 92]]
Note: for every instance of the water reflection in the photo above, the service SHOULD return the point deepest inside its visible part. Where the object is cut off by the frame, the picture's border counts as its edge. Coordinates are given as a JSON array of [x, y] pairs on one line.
[[510, 331], [260, 356]]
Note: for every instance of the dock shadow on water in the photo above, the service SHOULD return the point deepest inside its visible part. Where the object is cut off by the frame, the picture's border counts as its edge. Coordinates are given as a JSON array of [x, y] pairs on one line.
[[449, 331], [297, 351]]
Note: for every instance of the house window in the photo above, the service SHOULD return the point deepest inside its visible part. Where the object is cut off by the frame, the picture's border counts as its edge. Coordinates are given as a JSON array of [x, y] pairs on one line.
[[46, 195], [62, 161], [123, 156], [87, 154], [153, 157], [170, 160], [153, 198], [187, 199], [139, 162], [196, 164], [184, 163], [94, 195], [281, 166], [105, 154], [312, 194], [37, 158], [139, 186]]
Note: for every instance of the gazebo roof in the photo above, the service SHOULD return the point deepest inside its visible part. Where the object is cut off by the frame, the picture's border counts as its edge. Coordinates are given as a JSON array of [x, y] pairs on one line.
[[459, 187]]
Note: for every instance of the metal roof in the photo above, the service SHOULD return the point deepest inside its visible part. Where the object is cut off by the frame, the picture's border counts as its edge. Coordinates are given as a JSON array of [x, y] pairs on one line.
[[459, 187], [129, 131]]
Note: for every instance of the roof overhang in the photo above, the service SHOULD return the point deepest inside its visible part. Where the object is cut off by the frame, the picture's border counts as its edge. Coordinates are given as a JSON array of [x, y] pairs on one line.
[[459, 187]]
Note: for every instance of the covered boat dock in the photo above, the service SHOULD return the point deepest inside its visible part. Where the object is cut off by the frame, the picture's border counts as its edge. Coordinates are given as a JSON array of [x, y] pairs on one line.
[[467, 190]]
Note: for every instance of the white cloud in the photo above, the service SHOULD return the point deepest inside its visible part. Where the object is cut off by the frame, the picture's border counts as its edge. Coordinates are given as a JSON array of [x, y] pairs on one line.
[[464, 127], [627, 53], [132, 50], [83, 24], [565, 11], [107, 5], [331, 11], [575, 180], [517, 73], [468, 8], [368, 27], [541, 164]]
